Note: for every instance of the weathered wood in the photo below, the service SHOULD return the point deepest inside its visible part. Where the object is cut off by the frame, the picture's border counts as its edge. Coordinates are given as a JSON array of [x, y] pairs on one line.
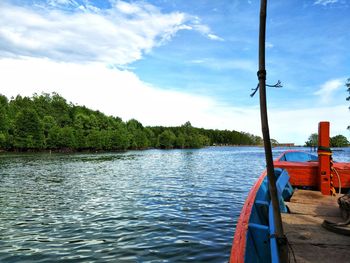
[[309, 240], [315, 253], [314, 209], [313, 197], [306, 229]]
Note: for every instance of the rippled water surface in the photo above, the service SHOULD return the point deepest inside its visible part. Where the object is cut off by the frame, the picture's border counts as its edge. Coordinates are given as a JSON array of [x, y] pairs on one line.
[[137, 206]]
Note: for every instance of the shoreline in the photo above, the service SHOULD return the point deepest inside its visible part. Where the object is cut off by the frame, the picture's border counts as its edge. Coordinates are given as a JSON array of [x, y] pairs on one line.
[[85, 151]]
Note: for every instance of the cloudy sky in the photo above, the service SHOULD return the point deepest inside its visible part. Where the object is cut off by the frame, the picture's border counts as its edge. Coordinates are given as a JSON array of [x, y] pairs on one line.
[[165, 62]]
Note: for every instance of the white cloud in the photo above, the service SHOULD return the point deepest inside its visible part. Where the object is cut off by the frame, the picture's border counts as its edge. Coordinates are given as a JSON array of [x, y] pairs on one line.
[[197, 61], [225, 64], [56, 3], [119, 35], [215, 37], [325, 2], [112, 91], [328, 88], [204, 29], [121, 93], [269, 45]]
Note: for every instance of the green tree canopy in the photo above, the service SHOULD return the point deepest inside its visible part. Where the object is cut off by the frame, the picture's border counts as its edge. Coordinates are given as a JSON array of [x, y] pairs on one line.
[[48, 121], [274, 142], [312, 140], [347, 84], [4, 121], [28, 130], [339, 141], [167, 139]]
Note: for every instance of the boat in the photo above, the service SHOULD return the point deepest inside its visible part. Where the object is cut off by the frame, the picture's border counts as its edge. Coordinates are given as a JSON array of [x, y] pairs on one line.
[[291, 212], [307, 195]]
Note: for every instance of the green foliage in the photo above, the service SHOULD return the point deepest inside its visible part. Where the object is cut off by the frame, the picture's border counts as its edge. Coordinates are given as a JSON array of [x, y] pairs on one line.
[[53, 138], [28, 130], [312, 140], [120, 137], [335, 141], [167, 139], [47, 121], [339, 141], [93, 140], [2, 140], [66, 137], [274, 142], [137, 135], [180, 141], [4, 120], [347, 84]]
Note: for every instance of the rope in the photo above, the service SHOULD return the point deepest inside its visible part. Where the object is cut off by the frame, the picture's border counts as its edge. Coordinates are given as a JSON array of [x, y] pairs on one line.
[[333, 192], [344, 203], [255, 90], [324, 149], [340, 228], [261, 74], [292, 250], [334, 171], [339, 182], [324, 153], [327, 151], [277, 85]]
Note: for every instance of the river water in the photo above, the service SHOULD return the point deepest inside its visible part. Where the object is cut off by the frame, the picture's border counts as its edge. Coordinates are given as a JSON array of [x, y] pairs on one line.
[[137, 206]]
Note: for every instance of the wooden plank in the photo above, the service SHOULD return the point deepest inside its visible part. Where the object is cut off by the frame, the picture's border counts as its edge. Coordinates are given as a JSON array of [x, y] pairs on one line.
[[307, 229], [313, 197], [308, 239], [305, 253], [313, 209]]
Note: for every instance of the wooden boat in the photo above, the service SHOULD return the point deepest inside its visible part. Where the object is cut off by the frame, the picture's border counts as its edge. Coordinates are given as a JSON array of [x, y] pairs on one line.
[[296, 193], [306, 186]]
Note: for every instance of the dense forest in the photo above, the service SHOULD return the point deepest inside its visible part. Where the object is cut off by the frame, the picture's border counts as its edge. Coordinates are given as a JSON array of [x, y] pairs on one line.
[[48, 122], [347, 85]]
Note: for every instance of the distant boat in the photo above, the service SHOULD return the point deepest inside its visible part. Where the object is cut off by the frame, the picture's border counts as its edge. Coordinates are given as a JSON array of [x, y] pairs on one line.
[[291, 212]]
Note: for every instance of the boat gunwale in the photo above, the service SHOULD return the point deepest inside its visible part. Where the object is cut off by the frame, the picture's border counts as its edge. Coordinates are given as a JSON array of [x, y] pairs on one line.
[[240, 236]]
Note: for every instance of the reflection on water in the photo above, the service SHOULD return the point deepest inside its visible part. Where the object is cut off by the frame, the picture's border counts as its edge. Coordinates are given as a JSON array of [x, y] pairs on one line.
[[137, 206]]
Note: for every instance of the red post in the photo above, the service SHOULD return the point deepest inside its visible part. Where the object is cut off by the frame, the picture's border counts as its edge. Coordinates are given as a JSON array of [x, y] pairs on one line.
[[324, 154]]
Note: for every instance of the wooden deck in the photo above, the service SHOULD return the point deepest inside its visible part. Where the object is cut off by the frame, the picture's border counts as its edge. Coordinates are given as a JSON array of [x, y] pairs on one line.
[[309, 240]]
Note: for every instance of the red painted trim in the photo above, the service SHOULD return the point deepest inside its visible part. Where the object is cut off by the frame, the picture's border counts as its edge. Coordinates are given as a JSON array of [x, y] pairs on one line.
[[343, 170], [239, 241]]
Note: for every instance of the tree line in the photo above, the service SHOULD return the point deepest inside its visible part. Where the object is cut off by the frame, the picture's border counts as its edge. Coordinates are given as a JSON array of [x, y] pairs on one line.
[[347, 85], [49, 122], [335, 141]]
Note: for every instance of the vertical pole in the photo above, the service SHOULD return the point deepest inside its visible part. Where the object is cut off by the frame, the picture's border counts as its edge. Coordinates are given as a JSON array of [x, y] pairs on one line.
[[281, 239], [324, 162]]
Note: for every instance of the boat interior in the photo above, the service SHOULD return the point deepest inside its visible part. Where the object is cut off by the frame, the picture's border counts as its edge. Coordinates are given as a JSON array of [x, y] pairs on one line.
[[315, 223]]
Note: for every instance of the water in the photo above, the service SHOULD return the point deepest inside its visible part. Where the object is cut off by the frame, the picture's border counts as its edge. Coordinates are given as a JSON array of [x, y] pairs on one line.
[[137, 206]]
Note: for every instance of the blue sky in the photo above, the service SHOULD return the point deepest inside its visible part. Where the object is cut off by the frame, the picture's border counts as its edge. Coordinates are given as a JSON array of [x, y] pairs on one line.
[[166, 62]]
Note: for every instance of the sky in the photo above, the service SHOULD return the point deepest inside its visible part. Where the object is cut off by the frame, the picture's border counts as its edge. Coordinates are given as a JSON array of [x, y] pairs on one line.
[[165, 62]]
